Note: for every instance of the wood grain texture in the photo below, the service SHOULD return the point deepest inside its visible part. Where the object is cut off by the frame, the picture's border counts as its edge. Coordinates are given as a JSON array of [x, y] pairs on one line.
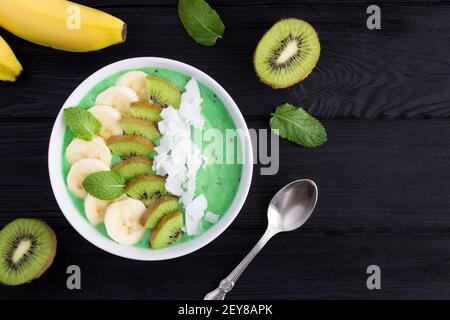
[[383, 200], [384, 183], [399, 71], [253, 3]]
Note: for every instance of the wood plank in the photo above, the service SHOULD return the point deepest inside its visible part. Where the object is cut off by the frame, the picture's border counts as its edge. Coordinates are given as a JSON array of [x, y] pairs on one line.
[[383, 200], [253, 3], [400, 71]]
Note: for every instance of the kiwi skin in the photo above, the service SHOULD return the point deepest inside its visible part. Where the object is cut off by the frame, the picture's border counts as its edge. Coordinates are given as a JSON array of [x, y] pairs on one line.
[[141, 179], [131, 139], [49, 261], [169, 84], [140, 127], [153, 110], [161, 224], [134, 160], [154, 206], [121, 164], [53, 250], [276, 86]]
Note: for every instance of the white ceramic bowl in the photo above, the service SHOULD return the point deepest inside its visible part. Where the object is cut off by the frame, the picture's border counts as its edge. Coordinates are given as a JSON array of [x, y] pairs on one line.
[[82, 225]]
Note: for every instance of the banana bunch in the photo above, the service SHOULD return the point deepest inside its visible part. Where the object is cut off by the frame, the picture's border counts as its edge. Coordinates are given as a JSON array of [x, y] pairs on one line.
[[58, 24]]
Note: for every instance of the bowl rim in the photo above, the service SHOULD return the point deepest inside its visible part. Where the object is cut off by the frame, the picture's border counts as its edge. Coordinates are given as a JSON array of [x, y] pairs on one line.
[[83, 227]]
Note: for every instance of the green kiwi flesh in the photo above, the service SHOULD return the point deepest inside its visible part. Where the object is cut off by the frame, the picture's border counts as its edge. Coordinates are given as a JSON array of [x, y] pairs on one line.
[[163, 92], [146, 189], [140, 127], [169, 230], [146, 111], [134, 167], [159, 209], [287, 53], [127, 146], [27, 250]]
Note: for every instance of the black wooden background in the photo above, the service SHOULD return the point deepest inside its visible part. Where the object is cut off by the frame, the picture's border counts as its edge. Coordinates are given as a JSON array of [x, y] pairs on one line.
[[383, 176]]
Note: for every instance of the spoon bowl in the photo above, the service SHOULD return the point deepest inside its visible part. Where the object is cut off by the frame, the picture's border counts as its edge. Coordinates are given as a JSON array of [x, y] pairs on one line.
[[292, 205]]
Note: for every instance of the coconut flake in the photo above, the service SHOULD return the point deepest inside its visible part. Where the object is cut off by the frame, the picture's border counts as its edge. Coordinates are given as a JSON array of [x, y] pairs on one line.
[[178, 157], [194, 213], [190, 105], [211, 217]]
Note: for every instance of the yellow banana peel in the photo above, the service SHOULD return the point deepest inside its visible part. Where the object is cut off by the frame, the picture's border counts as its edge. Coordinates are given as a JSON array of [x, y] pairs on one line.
[[61, 24], [10, 67]]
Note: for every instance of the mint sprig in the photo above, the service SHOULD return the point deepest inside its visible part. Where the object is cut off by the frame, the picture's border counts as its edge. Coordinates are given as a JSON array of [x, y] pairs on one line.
[[82, 123], [104, 185], [296, 125], [201, 22]]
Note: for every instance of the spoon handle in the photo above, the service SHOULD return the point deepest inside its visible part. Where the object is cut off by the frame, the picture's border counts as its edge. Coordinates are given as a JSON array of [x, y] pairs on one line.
[[228, 283]]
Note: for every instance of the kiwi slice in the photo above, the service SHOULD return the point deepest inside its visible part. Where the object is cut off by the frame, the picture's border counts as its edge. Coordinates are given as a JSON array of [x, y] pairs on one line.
[[133, 168], [159, 209], [168, 231], [146, 188], [163, 92], [127, 146], [27, 250], [287, 53], [140, 127], [146, 110]]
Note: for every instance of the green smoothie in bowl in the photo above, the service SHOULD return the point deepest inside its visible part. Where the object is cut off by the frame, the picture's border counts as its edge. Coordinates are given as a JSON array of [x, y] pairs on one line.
[[137, 163]]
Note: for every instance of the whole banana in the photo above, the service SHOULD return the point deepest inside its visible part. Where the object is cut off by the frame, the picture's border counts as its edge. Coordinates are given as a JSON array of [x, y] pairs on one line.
[[10, 67], [61, 24]]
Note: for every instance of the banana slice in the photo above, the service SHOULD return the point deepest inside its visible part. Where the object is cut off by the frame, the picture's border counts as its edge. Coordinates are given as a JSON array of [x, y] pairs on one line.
[[118, 97], [96, 208], [96, 149], [80, 170], [122, 221], [136, 80], [109, 118]]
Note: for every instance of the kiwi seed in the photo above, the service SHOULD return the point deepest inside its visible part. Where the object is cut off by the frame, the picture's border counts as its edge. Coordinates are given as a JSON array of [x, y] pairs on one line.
[[127, 146], [140, 127], [146, 110], [133, 168], [146, 189], [163, 92], [159, 209], [169, 230]]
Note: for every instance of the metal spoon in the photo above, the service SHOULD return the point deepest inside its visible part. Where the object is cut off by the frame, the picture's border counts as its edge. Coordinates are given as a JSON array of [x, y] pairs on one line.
[[288, 210]]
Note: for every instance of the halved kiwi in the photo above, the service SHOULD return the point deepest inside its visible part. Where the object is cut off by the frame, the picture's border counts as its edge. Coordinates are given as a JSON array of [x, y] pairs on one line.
[[287, 53], [146, 188], [27, 250], [159, 209], [146, 110], [127, 146], [168, 231], [133, 168], [140, 127], [163, 92]]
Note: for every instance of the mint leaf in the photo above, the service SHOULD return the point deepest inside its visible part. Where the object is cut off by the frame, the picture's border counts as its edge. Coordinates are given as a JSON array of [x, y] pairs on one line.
[[104, 185], [296, 125], [201, 22], [82, 123]]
